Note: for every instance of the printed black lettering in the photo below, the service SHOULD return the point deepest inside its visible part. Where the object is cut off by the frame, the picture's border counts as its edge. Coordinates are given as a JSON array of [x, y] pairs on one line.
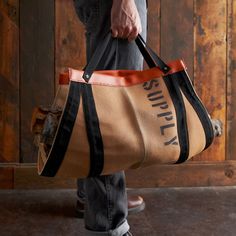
[[168, 115], [164, 127], [172, 142], [162, 105], [165, 114], [155, 98], [150, 84], [169, 118], [154, 93]]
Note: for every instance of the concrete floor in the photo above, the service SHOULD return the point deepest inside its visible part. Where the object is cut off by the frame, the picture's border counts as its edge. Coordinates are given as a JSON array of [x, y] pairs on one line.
[[169, 212]]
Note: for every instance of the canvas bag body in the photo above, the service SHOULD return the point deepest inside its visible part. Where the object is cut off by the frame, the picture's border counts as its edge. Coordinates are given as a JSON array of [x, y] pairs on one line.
[[126, 119]]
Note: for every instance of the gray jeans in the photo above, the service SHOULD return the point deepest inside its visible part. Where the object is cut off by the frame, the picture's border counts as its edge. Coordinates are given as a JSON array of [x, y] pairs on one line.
[[105, 196]]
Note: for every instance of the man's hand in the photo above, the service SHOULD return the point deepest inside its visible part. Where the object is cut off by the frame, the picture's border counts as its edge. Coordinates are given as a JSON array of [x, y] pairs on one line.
[[125, 20]]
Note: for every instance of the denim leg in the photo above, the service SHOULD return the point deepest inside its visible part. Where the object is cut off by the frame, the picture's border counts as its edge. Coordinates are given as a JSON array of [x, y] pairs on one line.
[[106, 203], [105, 196]]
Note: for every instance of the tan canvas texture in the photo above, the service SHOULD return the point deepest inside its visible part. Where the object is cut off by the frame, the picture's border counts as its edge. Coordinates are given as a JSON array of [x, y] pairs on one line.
[[138, 125]]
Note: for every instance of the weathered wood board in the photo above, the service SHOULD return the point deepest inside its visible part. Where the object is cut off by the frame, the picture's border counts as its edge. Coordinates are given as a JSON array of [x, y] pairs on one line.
[[70, 48], [210, 64], [231, 82], [9, 81], [177, 31], [37, 20]]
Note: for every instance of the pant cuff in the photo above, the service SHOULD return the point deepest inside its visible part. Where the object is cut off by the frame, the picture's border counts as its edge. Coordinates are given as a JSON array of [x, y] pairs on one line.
[[119, 231], [82, 200]]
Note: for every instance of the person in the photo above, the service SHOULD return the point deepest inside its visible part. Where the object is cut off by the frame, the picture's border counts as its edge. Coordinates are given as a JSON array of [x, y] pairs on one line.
[[105, 197]]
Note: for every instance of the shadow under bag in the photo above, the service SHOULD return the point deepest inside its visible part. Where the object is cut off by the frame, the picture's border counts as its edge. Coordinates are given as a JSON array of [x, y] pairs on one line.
[[114, 120]]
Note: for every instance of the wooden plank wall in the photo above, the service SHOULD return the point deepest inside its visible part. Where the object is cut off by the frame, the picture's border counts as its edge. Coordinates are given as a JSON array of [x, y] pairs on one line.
[[153, 25], [9, 81], [210, 63], [37, 22], [231, 82], [70, 38], [51, 38], [177, 31]]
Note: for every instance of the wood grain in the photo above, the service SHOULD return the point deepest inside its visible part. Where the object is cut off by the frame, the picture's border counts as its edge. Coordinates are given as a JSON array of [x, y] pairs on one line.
[[191, 174], [154, 25], [194, 30], [70, 39], [9, 81], [231, 82], [26, 177], [37, 65], [210, 65], [6, 177], [177, 31]]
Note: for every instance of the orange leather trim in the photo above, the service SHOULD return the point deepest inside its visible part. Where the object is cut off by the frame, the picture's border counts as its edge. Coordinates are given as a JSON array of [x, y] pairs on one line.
[[125, 78]]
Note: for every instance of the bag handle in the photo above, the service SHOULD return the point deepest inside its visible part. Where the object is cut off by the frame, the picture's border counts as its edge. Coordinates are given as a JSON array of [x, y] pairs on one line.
[[152, 59], [96, 57], [148, 54]]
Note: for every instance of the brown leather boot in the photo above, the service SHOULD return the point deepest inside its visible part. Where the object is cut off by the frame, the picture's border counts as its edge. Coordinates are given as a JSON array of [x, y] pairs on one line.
[[135, 205]]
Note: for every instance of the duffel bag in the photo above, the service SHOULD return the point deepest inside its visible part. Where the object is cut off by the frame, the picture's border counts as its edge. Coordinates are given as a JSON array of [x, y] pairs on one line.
[[114, 120]]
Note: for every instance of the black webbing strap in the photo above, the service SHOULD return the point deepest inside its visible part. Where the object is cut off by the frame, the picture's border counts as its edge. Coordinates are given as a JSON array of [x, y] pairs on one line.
[[152, 59], [64, 132], [190, 94], [182, 128], [93, 132], [97, 56]]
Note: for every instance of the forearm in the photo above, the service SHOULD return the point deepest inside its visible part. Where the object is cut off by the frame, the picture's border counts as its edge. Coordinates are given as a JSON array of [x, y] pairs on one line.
[[125, 20]]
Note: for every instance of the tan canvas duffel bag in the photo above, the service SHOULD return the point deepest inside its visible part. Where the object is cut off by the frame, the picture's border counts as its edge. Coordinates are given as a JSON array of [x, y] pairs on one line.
[[119, 119]]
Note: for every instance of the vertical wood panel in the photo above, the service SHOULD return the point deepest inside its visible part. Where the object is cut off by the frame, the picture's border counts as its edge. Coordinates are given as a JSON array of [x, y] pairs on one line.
[[231, 88], [6, 177], [9, 81], [177, 31], [70, 39], [37, 65], [210, 65], [153, 26]]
